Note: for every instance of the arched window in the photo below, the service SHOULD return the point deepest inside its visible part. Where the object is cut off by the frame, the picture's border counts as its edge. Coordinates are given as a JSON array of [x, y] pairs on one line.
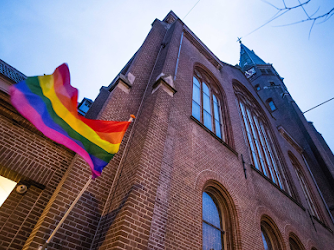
[[266, 240], [295, 243], [305, 187], [270, 236], [213, 234], [218, 219], [206, 104], [259, 139]]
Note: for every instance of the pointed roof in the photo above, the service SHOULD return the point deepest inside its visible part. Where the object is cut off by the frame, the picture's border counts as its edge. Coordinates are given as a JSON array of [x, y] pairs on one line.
[[171, 17], [248, 58]]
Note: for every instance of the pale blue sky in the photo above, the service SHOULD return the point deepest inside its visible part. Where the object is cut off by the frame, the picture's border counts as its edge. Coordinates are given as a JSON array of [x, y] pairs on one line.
[[97, 38]]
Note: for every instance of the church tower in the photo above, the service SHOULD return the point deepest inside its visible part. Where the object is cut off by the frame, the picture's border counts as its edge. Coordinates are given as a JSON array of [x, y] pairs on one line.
[[290, 121], [218, 157], [264, 78]]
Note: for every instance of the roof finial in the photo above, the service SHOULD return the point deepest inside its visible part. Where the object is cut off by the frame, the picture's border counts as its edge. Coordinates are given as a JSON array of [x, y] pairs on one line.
[[239, 40]]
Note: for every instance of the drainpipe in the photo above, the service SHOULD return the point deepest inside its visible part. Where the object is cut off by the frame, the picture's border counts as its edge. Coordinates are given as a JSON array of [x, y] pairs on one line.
[[178, 56]]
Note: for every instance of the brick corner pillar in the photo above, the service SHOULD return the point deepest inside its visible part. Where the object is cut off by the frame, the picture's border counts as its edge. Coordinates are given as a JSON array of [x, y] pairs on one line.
[[135, 218]]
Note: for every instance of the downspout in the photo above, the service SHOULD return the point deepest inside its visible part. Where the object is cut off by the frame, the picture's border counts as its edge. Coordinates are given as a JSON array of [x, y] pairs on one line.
[[178, 56], [125, 152]]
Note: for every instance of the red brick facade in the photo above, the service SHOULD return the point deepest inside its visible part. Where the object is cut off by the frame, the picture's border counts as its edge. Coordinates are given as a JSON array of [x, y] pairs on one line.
[[166, 161]]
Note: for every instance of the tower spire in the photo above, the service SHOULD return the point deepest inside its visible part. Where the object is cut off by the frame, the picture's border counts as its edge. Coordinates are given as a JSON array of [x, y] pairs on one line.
[[248, 58]]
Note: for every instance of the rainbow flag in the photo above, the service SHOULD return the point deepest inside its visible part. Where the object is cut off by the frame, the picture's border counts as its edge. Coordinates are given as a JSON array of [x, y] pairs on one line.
[[49, 102]]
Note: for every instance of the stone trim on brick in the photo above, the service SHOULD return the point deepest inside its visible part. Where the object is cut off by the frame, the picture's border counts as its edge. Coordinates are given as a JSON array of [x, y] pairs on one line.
[[122, 82], [165, 84], [289, 139]]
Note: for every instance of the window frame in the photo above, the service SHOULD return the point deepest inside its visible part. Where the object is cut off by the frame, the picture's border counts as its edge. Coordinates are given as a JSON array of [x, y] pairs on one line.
[[306, 188], [266, 236], [307, 193], [228, 214], [271, 105], [296, 243], [258, 136], [214, 93], [271, 230], [260, 143], [221, 220]]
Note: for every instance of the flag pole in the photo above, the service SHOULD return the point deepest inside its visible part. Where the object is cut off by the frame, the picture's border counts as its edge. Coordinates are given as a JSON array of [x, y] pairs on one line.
[[43, 247]]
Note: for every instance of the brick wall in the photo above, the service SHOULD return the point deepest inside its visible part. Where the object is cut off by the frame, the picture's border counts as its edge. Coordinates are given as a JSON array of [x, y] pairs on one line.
[[167, 159], [22, 160], [157, 203]]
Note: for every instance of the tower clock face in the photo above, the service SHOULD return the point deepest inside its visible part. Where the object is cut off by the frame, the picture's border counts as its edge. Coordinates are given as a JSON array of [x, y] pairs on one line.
[[250, 72]]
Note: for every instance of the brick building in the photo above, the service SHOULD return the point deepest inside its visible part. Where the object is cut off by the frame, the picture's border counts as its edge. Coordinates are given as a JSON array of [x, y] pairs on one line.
[[219, 157]]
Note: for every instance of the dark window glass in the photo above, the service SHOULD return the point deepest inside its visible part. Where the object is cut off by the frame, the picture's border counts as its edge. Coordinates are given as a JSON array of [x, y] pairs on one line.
[[293, 244], [266, 240], [269, 237]]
